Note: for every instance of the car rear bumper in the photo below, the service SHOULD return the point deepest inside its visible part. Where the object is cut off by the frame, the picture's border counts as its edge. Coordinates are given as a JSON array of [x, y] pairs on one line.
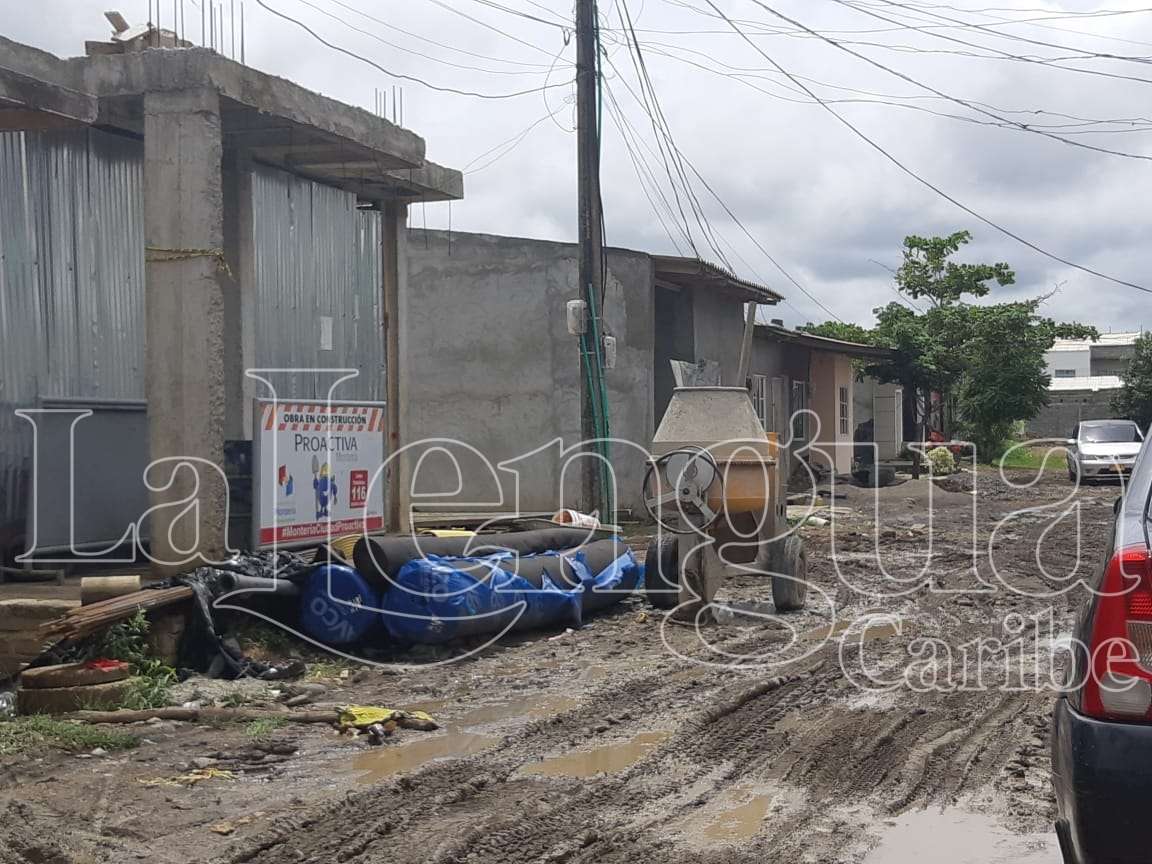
[[1102, 777]]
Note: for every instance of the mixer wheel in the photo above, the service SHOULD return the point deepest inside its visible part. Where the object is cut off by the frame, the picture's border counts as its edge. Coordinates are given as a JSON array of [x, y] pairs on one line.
[[790, 586]]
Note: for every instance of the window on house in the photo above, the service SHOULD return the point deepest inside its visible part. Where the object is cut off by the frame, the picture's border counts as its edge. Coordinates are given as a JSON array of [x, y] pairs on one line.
[[1064, 373], [760, 399], [798, 406], [843, 410]]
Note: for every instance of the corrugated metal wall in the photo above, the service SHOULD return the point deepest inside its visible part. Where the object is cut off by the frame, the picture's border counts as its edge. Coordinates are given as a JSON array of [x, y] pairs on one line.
[[71, 281], [317, 257]]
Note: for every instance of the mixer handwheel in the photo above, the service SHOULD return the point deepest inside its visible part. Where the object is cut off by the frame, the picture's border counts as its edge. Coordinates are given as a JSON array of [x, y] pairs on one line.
[[686, 478]]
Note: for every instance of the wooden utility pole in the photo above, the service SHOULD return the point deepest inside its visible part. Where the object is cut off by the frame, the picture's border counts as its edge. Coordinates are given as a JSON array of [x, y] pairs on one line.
[[593, 493]]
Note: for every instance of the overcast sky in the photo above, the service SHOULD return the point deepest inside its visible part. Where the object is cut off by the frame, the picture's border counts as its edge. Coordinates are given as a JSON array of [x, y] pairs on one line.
[[830, 208]]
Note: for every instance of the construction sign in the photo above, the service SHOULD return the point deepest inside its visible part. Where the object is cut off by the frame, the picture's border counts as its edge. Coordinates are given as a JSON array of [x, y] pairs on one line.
[[313, 466]]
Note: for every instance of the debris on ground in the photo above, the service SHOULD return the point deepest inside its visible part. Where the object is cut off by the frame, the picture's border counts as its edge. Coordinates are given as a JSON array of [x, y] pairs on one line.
[[190, 778], [364, 716]]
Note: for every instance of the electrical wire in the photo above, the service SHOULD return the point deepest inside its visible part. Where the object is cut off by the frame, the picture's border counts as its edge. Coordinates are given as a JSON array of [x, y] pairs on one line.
[[1075, 127], [518, 13], [742, 74], [664, 135], [926, 183], [383, 41], [444, 45], [1051, 62], [484, 24], [440, 88], [731, 215], [514, 142], [928, 30], [916, 83], [1016, 37]]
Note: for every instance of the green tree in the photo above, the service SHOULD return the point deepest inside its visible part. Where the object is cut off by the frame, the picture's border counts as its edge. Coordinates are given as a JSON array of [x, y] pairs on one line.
[[842, 330], [928, 272], [1004, 378], [1134, 401], [989, 358]]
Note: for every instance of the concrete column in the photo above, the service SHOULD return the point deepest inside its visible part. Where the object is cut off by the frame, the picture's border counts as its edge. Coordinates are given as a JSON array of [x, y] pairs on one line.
[[184, 311], [394, 258]]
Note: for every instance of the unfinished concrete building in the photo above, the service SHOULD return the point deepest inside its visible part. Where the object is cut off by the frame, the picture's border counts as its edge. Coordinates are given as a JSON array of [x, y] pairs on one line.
[[171, 218]]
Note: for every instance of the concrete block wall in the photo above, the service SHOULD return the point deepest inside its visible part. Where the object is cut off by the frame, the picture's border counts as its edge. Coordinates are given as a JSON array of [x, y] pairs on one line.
[[1066, 409], [490, 364]]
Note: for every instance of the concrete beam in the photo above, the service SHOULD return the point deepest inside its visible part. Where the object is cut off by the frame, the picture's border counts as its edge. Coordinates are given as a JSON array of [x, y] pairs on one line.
[[43, 97], [23, 120], [184, 316], [270, 96], [241, 87], [431, 182]]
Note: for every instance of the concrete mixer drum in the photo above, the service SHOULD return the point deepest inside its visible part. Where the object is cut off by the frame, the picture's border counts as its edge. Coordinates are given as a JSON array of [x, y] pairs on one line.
[[711, 458]]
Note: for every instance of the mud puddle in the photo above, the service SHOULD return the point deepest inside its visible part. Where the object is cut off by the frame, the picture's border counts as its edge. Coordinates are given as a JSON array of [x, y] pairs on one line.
[[957, 836], [397, 759], [866, 632], [602, 760], [533, 707], [738, 821]]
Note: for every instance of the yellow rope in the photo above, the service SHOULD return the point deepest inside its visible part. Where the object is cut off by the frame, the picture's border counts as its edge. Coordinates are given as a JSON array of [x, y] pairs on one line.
[[161, 253]]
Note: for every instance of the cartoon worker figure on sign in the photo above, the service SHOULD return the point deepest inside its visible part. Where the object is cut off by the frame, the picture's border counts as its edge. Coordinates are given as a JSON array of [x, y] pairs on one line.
[[324, 486]]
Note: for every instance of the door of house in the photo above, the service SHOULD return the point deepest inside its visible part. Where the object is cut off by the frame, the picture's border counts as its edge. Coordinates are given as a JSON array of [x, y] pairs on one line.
[[888, 420], [761, 400], [798, 410]]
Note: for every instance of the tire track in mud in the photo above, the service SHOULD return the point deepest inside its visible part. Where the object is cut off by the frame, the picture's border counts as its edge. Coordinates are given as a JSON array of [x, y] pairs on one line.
[[479, 810], [819, 749]]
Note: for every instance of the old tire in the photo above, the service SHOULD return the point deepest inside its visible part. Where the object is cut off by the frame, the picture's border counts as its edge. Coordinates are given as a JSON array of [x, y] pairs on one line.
[[662, 572], [72, 675], [790, 586]]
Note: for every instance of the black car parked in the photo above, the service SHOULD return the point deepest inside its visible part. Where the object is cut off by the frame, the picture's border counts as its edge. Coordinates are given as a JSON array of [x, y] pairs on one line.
[[1102, 723]]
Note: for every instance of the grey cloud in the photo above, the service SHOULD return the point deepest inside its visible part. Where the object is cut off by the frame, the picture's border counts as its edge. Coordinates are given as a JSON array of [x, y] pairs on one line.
[[819, 199]]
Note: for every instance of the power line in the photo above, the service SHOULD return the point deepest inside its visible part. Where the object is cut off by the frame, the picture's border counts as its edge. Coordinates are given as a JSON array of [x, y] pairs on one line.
[[971, 106], [444, 45], [661, 127], [636, 166], [740, 224], [928, 30], [1076, 127], [860, 134], [514, 141], [987, 29], [1051, 62], [377, 66], [484, 24], [383, 41], [520, 14]]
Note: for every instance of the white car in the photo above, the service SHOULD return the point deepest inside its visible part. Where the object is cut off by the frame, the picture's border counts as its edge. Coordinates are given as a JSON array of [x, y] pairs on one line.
[[1103, 448]]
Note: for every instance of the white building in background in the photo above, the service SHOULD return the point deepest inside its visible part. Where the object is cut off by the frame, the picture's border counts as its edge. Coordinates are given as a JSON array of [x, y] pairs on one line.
[[1082, 358], [1085, 377]]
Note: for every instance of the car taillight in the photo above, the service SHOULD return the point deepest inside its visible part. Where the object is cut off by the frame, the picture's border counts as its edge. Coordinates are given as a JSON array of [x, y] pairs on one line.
[[1119, 683]]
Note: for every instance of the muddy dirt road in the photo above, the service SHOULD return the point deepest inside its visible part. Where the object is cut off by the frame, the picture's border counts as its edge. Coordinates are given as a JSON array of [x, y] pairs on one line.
[[869, 728]]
